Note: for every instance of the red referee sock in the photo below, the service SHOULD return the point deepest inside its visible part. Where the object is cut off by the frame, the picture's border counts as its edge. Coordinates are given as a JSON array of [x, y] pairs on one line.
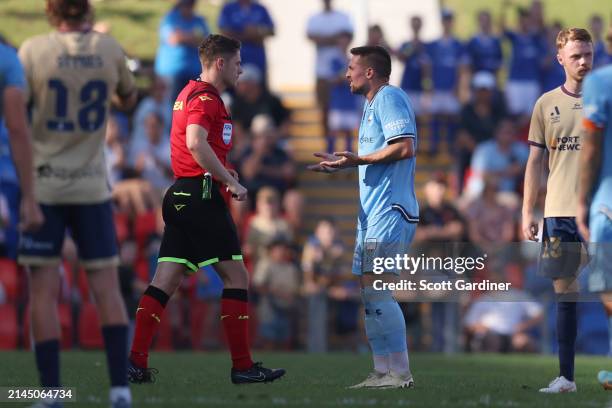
[[148, 316], [235, 320]]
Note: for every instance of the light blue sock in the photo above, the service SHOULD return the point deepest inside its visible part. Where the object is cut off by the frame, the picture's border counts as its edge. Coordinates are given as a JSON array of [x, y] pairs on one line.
[[373, 326], [389, 327]]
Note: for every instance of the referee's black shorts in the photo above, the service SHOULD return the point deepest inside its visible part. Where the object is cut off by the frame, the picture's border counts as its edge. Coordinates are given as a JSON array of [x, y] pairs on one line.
[[199, 231]]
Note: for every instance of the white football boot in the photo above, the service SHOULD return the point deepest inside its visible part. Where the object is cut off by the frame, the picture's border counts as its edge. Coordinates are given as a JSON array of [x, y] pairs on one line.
[[370, 382], [559, 385], [394, 380]]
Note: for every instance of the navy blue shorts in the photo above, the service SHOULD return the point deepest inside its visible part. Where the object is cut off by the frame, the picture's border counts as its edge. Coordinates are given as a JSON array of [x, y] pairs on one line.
[[91, 227], [561, 247]]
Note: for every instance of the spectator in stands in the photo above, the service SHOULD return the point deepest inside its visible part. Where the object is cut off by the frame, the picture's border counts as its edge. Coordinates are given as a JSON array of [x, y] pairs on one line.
[[114, 152], [602, 54], [552, 73], [478, 119], [180, 33], [448, 58], [344, 107], [523, 86], [596, 26], [321, 265], [414, 56], [277, 280], [498, 322], [484, 49], [376, 36], [439, 221], [155, 102], [503, 158], [264, 163], [253, 99], [489, 222], [323, 29], [536, 14], [249, 22], [293, 210], [266, 225], [152, 160]]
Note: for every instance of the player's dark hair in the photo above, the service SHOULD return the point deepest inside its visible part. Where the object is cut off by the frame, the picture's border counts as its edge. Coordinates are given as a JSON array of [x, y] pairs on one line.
[[215, 46], [71, 11], [572, 34], [375, 57]]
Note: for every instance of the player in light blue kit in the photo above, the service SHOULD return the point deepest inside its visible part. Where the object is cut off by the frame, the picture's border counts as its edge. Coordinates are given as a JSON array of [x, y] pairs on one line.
[[595, 195], [388, 206]]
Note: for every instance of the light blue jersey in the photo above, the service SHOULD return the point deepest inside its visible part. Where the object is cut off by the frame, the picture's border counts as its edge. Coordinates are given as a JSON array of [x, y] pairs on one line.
[[384, 187], [597, 100], [597, 97]]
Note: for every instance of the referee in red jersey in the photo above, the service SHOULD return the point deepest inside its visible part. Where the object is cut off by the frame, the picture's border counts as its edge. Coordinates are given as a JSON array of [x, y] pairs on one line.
[[199, 230]]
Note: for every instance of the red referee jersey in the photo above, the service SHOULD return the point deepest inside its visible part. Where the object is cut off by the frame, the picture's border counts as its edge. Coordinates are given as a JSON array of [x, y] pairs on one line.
[[198, 103]]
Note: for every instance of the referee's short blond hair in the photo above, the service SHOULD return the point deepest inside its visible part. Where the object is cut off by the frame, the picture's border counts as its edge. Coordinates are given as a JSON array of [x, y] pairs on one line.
[[572, 34]]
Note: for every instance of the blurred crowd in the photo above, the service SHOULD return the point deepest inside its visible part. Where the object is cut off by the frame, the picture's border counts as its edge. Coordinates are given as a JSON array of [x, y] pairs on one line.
[[473, 103]]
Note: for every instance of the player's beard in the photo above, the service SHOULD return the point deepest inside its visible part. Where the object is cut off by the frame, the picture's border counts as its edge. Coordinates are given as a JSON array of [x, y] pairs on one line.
[[358, 90]]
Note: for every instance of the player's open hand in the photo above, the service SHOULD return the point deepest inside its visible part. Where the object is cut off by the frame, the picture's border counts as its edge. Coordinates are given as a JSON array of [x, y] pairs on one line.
[[239, 193], [31, 217], [346, 159], [582, 220], [530, 227], [321, 168]]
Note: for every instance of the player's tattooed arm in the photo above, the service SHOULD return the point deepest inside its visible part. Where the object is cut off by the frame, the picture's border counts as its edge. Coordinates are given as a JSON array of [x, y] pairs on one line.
[[590, 165]]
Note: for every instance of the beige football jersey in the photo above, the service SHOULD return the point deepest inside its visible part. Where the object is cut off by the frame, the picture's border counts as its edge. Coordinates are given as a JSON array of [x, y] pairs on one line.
[[555, 126], [71, 78]]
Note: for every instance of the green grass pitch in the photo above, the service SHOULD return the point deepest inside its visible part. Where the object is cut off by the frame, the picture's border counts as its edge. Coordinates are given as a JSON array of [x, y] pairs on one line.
[[319, 380]]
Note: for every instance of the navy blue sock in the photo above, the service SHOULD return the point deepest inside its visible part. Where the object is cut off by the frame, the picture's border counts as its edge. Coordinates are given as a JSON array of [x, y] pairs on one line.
[[115, 342], [47, 362], [566, 337]]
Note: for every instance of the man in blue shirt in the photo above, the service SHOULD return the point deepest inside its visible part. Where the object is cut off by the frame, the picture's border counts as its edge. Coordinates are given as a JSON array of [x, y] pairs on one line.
[[484, 49], [412, 54], [388, 207], [250, 23], [180, 33], [602, 54], [447, 57], [594, 216], [528, 50], [12, 84]]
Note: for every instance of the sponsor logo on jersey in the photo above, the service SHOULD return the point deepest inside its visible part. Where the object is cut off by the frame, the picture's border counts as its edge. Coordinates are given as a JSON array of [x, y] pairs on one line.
[[178, 105], [555, 116], [566, 143], [205, 98], [227, 133]]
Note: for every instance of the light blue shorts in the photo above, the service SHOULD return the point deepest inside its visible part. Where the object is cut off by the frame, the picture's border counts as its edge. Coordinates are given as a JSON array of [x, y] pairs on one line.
[[600, 225], [391, 235]]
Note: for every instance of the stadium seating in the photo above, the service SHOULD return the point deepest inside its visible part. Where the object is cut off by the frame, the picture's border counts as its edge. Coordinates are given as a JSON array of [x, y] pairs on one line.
[[9, 278], [9, 330], [66, 326], [163, 341], [90, 335]]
